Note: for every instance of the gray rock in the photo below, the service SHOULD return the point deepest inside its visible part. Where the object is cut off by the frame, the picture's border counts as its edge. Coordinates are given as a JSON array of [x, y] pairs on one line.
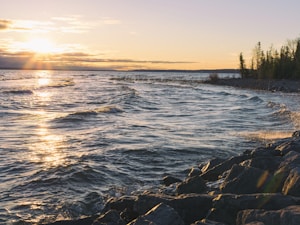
[[264, 152], [286, 216], [207, 222], [168, 180], [264, 163], [214, 173], [111, 217], [245, 180], [192, 185], [190, 207], [290, 160], [226, 206], [211, 164], [194, 172], [291, 145], [296, 133], [161, 214], [292, 184]]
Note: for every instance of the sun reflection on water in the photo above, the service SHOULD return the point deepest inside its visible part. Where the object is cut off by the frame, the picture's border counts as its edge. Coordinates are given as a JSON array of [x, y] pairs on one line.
[[47, 148]]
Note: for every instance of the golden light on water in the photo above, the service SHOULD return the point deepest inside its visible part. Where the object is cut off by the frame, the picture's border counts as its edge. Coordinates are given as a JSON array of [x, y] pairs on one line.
[[47, 147]]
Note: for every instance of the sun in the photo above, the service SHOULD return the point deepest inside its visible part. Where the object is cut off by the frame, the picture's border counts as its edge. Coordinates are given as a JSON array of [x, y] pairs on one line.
[[40, 46]]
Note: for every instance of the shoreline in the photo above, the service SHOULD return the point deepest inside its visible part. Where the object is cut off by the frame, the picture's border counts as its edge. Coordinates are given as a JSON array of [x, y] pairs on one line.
[[258, 187], [288, 86]]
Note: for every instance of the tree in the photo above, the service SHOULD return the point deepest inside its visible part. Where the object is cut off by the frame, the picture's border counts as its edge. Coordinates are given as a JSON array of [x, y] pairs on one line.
[[243, 69]]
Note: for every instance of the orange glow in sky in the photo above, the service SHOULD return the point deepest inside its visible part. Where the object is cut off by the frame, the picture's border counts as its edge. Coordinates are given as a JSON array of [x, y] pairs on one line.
[[154, 34]]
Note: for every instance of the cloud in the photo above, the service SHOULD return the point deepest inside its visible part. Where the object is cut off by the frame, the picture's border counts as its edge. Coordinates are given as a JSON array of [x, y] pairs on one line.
[[5, 24], [110, 21], [71, 60]]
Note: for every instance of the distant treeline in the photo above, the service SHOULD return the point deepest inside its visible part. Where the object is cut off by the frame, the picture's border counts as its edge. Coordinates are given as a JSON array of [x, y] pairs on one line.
[[273, 64]]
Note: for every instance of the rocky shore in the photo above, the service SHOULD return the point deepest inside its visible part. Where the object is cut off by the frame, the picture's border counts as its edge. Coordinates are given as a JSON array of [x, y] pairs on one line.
[[259, 187], [258, 84]]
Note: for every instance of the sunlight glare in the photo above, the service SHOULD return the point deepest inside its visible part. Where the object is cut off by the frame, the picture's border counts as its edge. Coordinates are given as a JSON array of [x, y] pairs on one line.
[[40, 46]]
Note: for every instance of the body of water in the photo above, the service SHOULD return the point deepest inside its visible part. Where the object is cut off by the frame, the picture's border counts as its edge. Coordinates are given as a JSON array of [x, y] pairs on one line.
[[70, 140]]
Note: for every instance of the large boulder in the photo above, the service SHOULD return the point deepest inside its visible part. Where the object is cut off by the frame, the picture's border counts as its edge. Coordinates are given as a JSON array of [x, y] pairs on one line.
[[286, 216], [161, 214], [214, 173], [190, 207], [292, 184], [112, 217], [269, 163], [245, 180], [226, 206], [192, 185], [292, 144], [207, 222], [210, 164], [290, 160]]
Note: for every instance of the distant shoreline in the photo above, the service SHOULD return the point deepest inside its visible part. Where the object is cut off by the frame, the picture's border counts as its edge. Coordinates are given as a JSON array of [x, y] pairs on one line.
[[258, 84], [141, 70]]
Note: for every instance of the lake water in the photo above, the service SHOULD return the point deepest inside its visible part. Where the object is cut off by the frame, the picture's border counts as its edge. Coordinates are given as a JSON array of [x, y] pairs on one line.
[[70, 140]]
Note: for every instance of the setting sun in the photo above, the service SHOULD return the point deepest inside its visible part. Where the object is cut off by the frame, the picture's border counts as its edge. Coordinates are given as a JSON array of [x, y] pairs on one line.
[[40, 46]]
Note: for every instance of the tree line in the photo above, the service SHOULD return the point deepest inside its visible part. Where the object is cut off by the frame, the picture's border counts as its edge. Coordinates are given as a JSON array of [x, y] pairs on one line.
[[273, 64]]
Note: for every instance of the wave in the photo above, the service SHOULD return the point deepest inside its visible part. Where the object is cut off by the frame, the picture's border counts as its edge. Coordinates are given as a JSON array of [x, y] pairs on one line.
[[283, 111], [256, 99], [19, 92], [265, 135], [82, 115]]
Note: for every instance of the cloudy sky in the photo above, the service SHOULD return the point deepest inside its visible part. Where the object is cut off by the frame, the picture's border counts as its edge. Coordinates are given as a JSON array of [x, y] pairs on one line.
[[137, 34]]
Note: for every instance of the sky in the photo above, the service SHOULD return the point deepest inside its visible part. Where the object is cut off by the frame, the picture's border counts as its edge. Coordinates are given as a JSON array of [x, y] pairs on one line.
[[137, 34]]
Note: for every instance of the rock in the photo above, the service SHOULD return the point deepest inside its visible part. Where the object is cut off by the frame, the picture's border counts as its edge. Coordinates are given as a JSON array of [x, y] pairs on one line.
[[84, 221], [245, 180], [286, 216], [255, 223], [264, 152], [296, 133], [192, 185], [111, 217], [194, 172], [124, 205], [161, 214], [290, 160], [168, 180], [226, 206], [207, 222], [291, 145], [210, 164], [190, 207], [292, 184], [214, 173], [264, 163]]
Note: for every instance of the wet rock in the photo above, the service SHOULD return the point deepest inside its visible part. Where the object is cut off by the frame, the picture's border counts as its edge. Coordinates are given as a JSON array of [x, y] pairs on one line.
[[245, 180], [291, 145], [190, 207], [168, 180], [290, 160], [207, 222], [111, 217], [124, 205], [264, 163], [226, 206], [84, 221], [286, 216], [265, 152], [292, 184], [161, 214], [296, 133], [194, 172], [210, 164], [192, 185], [214, 173]]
